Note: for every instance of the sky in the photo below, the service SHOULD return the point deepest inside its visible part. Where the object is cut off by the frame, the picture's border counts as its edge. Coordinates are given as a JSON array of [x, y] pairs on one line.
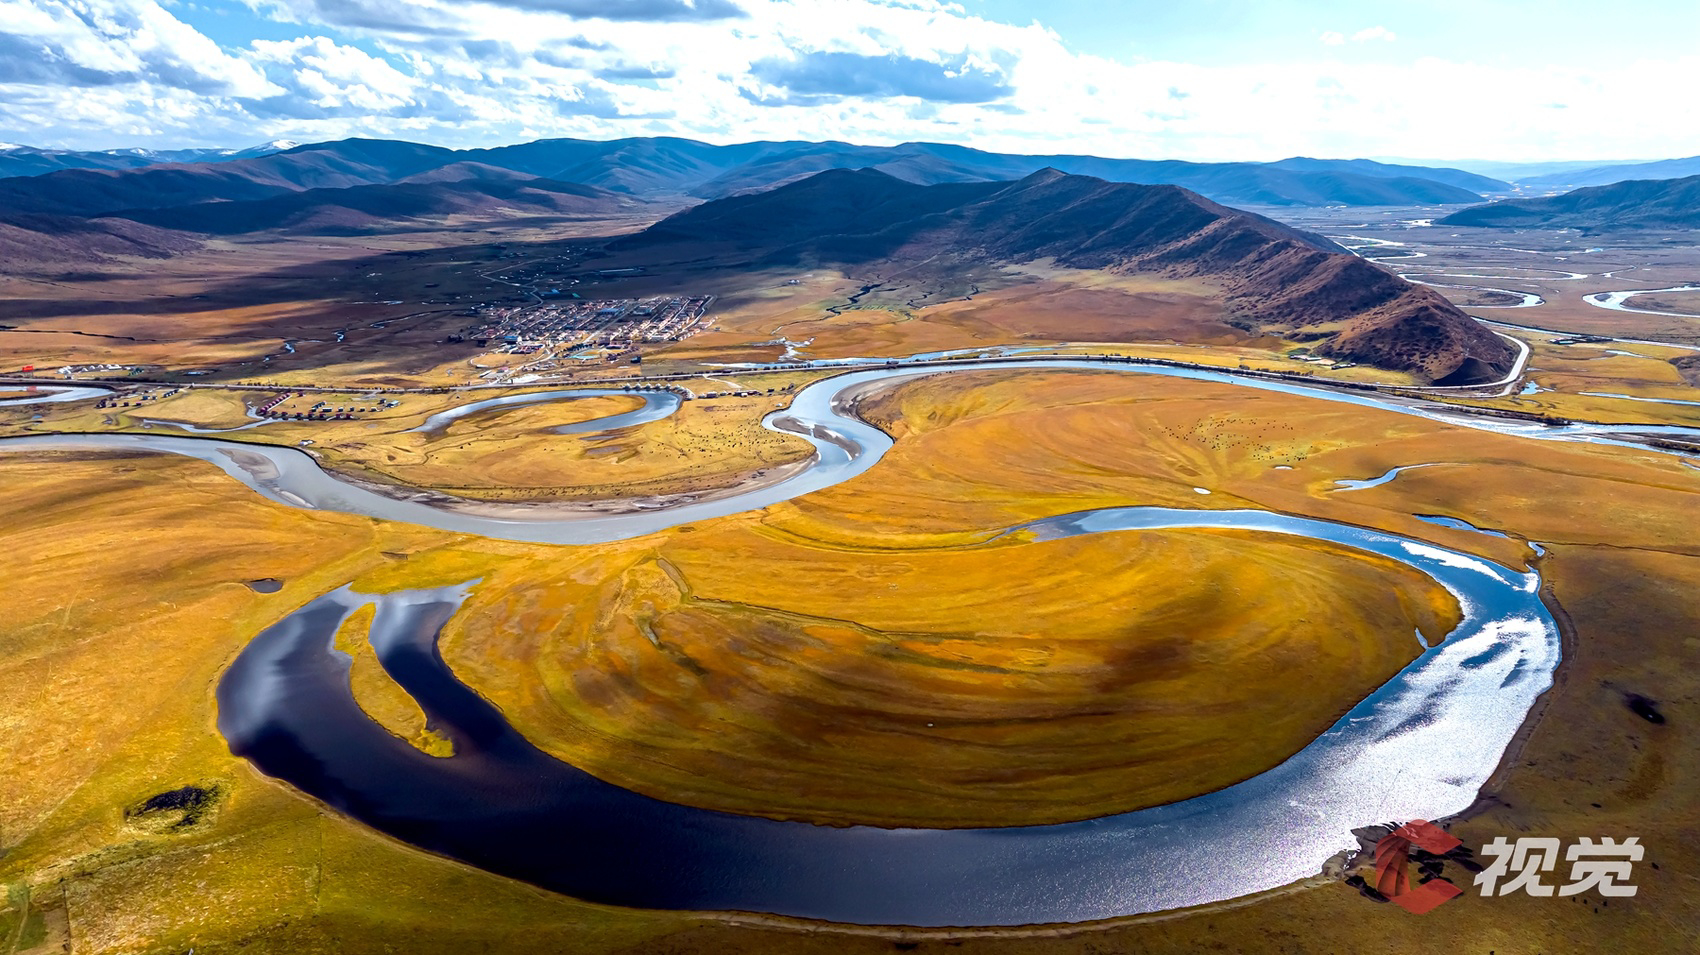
[[1183, 79]]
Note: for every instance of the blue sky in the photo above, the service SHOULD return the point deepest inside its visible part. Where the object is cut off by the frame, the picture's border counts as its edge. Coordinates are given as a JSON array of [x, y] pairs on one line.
[[1200, 79], [1577, 32]]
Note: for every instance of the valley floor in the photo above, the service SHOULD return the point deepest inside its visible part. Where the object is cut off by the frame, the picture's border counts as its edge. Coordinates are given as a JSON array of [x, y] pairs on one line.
[[793, 661]]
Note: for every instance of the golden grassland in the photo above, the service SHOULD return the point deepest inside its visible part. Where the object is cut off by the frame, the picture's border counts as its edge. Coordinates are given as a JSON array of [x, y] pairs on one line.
[[106, 699], [1566, 374], [787, 662], [270, 871], [1564, 307], [1016, 682], [381, 697], [517, 455], [503, 453], [1622, 563], [1029, 305]]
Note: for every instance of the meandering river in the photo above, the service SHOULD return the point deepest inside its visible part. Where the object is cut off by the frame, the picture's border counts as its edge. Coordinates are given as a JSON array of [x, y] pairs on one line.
[[844, 447], [1421, 746], [51, 394]]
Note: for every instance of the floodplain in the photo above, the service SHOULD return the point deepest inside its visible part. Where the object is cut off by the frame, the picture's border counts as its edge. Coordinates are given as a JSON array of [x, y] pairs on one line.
[[879, 652]]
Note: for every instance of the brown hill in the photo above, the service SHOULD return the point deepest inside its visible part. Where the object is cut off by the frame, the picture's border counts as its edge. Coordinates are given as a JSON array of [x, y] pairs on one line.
[[674, 169], [359, 209], [462, 171], [94, 192], [1666, 204], [31, 241], [1275, 278]]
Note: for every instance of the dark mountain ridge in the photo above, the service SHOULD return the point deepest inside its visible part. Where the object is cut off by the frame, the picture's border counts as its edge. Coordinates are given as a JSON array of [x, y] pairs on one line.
[[31, 161], [1635, 204], [676, 169], [1322, 182], [1275, 278], [363, 208], [88, 192], [31, 239], [1613, 173]]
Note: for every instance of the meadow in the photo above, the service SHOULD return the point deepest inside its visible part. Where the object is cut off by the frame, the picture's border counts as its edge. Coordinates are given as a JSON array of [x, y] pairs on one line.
[[787, 662], [877, 652]]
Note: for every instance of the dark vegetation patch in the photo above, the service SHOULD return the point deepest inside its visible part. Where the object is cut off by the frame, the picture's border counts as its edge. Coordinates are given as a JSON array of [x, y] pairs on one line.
[[1644, 708], [1689, 367], [175, 809]]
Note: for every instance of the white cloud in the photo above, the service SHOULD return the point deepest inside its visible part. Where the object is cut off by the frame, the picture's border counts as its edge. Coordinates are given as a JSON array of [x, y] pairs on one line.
[[96, 73], [69, 43], [318, 77]]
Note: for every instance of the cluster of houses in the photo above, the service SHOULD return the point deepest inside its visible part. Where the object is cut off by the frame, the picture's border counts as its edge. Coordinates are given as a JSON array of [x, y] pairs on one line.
[[117, 400], [320, 410], [612, 325]]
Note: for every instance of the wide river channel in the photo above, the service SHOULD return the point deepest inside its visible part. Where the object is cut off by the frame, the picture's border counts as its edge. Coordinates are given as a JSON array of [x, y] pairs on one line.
[[1420, 746]]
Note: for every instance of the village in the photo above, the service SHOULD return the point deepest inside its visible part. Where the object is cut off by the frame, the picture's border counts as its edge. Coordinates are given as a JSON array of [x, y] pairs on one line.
[[284, 406], [300, 406], [578, 329]]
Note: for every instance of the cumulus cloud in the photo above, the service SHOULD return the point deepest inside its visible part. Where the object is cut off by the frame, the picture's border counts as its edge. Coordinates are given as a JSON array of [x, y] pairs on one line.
[[828, 77], [405, 17], [655, 11], [598, 102], [100, 73], [624, 72], [76, 44], [443, 17], [319, 78]]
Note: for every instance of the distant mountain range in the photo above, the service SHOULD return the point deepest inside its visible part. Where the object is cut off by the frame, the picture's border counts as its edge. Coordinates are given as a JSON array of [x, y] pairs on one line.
[[1276, 278], [31, 239], [681, 169], [1620, 172], [1635, 204], [30, 161], [361, 209]]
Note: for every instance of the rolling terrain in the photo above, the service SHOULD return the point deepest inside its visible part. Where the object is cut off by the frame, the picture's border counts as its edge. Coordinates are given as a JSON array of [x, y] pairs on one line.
[[1633, 204], [356, 209], [1605, 175], [92, 192], [1300, 182], [683, 169], [67, 239], [1276, 279], [30, 161]]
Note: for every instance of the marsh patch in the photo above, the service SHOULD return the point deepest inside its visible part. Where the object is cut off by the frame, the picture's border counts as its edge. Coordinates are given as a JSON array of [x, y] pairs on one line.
[[176, 809], [1644, 708]]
